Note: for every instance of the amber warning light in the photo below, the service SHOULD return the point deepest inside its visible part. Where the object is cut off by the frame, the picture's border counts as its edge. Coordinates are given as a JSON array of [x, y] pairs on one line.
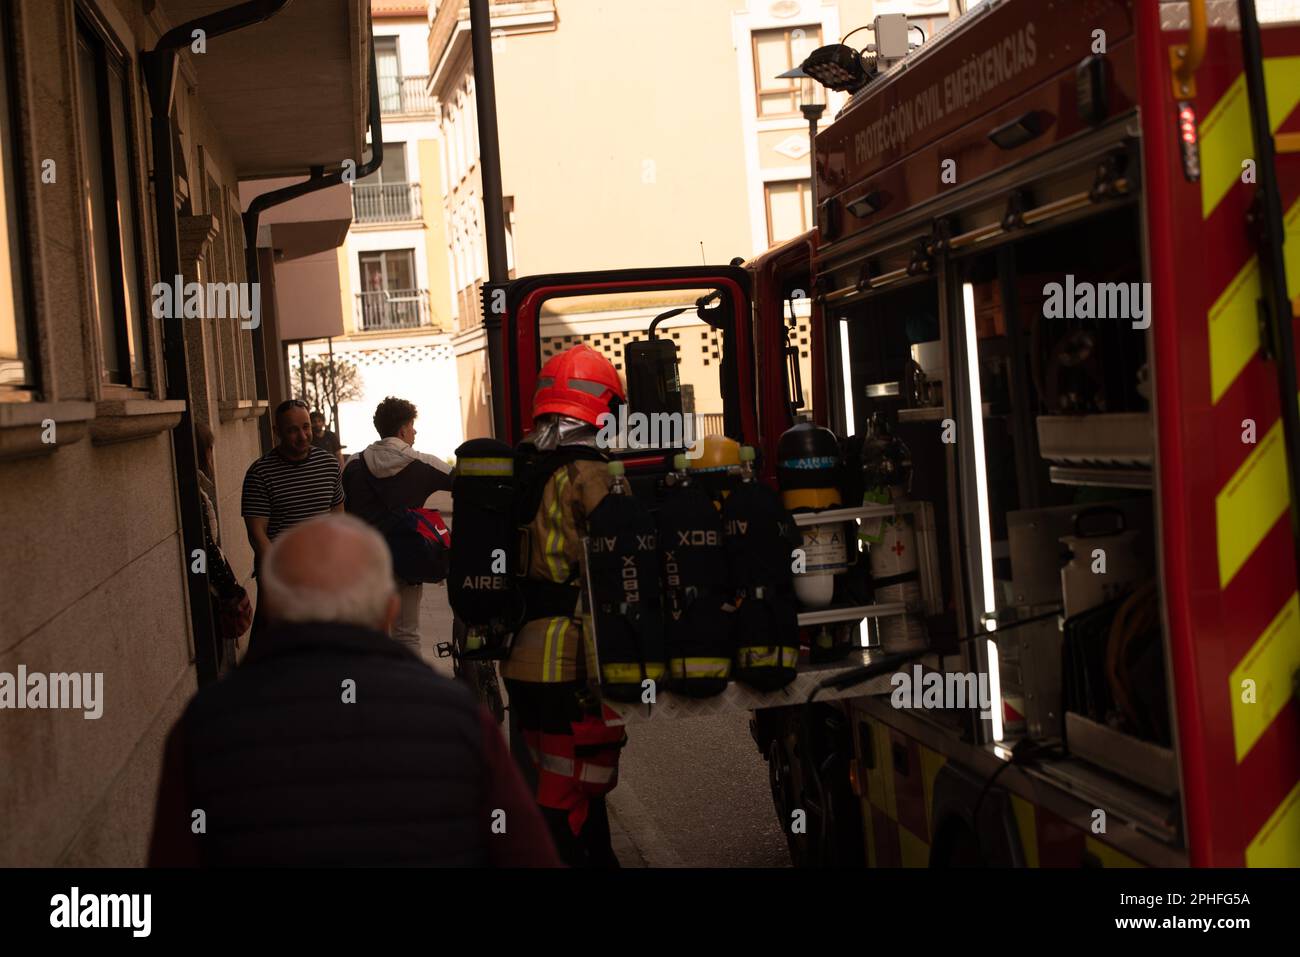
[[1189, 141]]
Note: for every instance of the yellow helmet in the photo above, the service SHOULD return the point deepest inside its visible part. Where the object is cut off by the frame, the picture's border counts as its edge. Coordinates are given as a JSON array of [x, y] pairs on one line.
[[713, 467], [717, 454]]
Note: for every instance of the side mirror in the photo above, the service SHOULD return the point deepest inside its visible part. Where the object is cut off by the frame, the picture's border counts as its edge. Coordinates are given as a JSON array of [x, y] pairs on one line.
[[653, 384]]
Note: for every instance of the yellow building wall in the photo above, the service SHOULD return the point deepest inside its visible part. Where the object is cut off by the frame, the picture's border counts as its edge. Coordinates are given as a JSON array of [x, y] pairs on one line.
[[636, 171], [435, 239], [472, 377]]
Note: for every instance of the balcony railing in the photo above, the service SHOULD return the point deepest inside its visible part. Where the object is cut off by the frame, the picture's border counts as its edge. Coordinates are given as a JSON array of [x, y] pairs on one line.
[[709, 423], [393, 309], [385, 202], [404, 94]]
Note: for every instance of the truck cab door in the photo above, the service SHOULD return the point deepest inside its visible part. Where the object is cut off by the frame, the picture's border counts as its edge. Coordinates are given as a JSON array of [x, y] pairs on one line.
[[546, 314]]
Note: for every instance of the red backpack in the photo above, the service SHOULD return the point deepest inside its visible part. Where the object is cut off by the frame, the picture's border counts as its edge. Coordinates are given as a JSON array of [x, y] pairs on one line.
[[420, 542], [418, 538]]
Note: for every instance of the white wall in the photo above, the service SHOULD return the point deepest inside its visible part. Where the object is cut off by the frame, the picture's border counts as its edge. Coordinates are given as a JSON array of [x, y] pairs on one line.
[[420, 369]]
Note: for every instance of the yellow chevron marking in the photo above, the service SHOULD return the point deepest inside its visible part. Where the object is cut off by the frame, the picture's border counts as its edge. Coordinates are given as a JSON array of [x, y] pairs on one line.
[[1234, 329], [1234, 321], [931, 762], [1225, 134], [1270, 663], [1278, 842], [880, 780], [1251, 503], [1024, 812], [913, 852], [1282, 81]]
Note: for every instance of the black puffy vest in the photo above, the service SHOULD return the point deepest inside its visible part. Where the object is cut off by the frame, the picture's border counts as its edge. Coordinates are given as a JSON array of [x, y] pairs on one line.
[[288, 773]]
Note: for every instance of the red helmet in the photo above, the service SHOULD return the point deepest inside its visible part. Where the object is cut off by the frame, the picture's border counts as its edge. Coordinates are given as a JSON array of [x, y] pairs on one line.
[[578, 382]]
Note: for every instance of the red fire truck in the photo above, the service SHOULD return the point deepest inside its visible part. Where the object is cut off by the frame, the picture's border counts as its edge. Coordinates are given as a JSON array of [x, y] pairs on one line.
[[1050, 254]]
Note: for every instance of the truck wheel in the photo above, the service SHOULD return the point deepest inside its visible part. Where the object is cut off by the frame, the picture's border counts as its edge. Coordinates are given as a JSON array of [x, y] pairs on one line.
[[787, 797], [808, 772]]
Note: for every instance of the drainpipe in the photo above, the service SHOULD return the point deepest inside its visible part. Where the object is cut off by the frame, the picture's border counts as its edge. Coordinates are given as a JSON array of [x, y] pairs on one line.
[[318, 179], [159, 66], [494, 220]]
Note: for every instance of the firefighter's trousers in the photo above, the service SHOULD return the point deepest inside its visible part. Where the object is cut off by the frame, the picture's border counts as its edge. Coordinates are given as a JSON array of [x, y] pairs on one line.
[[546, 714]]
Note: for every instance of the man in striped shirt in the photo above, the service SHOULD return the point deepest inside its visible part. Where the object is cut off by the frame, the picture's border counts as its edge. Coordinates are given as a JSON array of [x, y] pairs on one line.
[[290, 484]]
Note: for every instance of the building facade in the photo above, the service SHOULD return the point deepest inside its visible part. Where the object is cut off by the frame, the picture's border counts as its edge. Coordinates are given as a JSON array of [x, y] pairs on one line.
[[632, 135], [395, 287], [103, 375]]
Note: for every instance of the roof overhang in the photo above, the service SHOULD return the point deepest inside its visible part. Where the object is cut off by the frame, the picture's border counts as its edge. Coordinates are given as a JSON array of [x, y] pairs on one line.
[[289, 93], [304, 226]]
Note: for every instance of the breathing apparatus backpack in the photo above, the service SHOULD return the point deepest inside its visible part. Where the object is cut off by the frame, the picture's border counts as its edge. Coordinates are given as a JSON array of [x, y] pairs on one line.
[[482, 584], [533, 469], [698, 615], [623, 564], [760, 537]]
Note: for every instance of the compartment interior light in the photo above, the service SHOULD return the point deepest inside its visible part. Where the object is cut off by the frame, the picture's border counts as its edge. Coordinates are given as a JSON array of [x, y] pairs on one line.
[[988, 598], [846, 371]]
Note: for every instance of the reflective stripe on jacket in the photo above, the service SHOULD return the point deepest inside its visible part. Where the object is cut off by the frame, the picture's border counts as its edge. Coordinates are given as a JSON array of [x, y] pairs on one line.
[[554, 649]]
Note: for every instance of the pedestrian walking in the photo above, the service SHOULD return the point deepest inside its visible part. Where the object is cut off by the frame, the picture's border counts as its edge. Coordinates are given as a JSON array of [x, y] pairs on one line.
[[323, 438], [332, 745], [388, 475], [291, 483]]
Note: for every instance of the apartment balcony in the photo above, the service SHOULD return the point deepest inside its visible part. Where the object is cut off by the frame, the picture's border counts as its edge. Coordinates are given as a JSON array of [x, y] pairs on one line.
[[385, 203], [404, 94], [390, 309]]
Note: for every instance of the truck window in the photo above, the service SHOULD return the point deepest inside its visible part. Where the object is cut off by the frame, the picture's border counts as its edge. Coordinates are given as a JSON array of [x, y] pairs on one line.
[[613, 323]]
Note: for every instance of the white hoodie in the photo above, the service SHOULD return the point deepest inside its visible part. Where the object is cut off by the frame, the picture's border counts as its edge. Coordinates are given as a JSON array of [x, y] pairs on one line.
[[389, 456]]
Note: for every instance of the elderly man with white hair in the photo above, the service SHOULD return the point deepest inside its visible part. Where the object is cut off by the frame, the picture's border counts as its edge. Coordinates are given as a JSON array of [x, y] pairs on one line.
[[333, 744]]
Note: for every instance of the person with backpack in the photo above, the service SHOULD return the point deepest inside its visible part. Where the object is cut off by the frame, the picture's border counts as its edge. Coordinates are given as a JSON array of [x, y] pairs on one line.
[[561, 476], [388, 478]]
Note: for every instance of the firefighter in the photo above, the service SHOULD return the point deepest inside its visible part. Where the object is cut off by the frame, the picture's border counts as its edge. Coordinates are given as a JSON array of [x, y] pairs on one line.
[[561, 476]]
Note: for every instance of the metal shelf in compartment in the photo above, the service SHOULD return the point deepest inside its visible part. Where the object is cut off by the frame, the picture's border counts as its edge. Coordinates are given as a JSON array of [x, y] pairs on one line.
[[829, 515], [824, 616]]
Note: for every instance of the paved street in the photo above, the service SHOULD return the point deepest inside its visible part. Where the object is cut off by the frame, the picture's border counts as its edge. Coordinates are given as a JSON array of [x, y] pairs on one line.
[[691, 793]]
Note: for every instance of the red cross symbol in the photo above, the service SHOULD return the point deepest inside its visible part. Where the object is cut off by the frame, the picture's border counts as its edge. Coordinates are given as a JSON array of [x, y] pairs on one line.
[[897, 548]]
